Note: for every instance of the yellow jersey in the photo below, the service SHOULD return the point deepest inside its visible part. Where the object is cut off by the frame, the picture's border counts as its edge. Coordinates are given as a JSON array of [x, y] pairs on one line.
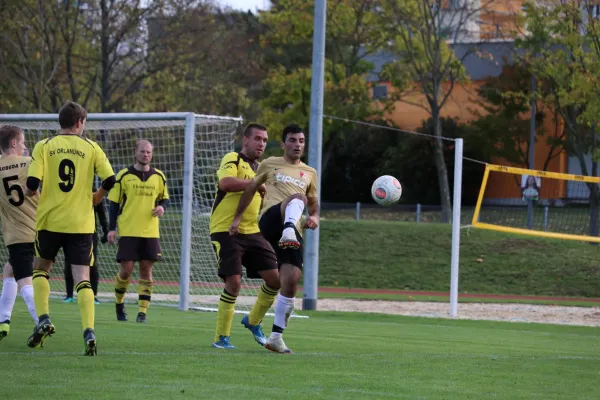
[[66, 165], [138, 193], [235, 165]]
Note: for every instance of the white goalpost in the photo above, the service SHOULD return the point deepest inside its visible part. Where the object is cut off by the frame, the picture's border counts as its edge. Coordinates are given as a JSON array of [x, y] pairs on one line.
[[188, 148]]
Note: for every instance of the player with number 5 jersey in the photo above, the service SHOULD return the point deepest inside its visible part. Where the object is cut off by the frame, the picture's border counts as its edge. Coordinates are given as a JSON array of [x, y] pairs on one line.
[[18, 225], [65, 164]]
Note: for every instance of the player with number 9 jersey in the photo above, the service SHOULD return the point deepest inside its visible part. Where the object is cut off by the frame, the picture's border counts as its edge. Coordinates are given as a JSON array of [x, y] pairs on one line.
[[66, 165]]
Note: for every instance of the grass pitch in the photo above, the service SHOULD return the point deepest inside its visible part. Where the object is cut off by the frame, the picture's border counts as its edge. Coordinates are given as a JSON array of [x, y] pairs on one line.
[[337, 355]]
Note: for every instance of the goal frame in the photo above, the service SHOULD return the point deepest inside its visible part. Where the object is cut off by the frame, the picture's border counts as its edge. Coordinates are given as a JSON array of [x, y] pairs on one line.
[[188, 173]]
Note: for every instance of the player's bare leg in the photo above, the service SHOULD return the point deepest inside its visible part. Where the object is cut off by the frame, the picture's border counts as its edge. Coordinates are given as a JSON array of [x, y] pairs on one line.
[[144, 290], [289, 276], [121, 284], [292, 209], [264, 301], [225, 312], [41, 294]]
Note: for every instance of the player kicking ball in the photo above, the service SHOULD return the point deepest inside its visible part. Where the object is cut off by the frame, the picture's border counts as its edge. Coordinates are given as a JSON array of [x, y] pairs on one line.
[[18, 226], [291, 186], [248, 247], [137, 201]]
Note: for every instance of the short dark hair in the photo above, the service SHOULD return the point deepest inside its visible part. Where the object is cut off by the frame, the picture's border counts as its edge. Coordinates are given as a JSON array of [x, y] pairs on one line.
[[291, 128], [7, 134], [70, 114], [248, 130]]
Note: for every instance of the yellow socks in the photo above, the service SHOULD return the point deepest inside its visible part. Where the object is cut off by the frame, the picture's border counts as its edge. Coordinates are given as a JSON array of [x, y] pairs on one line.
[[265, 299], [144, 295], [41, 292], [85, 299], [225, 315], [120, 289]]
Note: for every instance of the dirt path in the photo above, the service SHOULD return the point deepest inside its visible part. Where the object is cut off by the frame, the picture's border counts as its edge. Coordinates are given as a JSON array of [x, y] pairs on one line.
[[583, 316]]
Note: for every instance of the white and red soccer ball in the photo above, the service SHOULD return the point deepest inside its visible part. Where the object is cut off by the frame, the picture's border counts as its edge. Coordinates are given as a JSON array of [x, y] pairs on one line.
[[386, 190]]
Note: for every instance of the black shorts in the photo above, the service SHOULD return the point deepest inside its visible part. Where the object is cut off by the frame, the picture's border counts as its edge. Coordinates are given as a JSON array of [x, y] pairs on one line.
[[20, 257], [271, 227], [252, 251], [77, 247], [138, 249], [94, 252]]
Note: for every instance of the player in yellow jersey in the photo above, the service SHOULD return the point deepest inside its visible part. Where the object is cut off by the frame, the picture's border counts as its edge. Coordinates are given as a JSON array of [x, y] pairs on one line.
[[291, 186], [18, 225], [138, 199], [249, 248], [66, 164]]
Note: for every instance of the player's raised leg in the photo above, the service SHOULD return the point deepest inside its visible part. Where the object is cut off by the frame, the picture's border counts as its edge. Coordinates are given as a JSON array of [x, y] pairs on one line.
[[292, 209]]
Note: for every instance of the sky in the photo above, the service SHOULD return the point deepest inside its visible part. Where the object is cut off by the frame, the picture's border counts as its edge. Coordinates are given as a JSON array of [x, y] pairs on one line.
[[246, 4]]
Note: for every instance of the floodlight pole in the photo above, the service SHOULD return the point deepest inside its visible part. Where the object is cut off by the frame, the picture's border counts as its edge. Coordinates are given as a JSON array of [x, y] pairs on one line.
[[311, 252]]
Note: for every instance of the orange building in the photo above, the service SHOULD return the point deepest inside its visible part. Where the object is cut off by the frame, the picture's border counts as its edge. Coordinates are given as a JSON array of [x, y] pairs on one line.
[[483, 61]]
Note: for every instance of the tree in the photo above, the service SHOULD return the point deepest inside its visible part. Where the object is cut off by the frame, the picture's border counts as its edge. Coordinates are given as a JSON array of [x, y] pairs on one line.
[[97, 52], [420, 33], [562, 49], [45, 54], [353, 33], [505, 124], [221, 74]]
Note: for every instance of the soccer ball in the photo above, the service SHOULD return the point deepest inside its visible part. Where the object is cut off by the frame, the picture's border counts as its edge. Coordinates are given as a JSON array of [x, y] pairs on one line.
[[386, 190]]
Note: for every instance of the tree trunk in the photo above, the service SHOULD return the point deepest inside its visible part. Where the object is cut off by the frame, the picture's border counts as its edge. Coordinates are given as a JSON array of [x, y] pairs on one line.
[[442, 170]]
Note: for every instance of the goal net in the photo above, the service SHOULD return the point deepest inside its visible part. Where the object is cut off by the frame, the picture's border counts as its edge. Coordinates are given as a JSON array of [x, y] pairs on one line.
[[188, 149], [538, 203]]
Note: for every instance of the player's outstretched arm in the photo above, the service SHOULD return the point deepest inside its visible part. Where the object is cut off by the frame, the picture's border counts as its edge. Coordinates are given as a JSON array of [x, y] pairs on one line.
[[233, 184], [245, 201]]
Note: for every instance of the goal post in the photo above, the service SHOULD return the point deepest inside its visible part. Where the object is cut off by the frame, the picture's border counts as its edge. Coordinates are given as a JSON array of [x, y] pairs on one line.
[[188, 148], [560, 203]]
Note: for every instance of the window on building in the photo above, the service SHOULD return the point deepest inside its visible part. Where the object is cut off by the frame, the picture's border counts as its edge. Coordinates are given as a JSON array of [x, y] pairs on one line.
[[380, 92]]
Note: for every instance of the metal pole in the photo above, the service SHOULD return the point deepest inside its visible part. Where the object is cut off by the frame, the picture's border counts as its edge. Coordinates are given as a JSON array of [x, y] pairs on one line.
[[546, 210], [186, 227], [531, 148], [456, 209], [358, 210], [418, 212], [311, 253]]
